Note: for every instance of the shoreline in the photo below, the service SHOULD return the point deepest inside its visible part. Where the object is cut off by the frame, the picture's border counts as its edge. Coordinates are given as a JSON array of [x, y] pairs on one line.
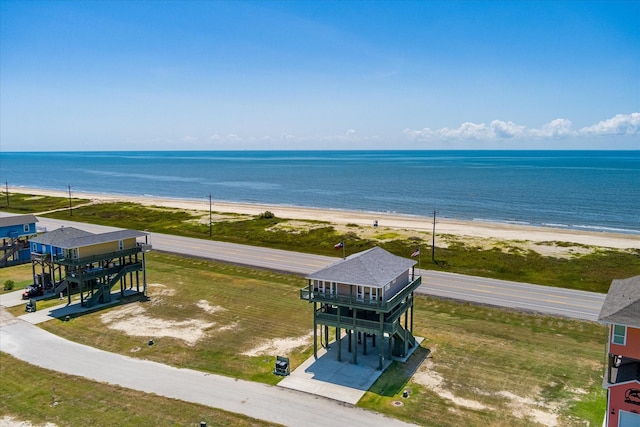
[[461, 228]]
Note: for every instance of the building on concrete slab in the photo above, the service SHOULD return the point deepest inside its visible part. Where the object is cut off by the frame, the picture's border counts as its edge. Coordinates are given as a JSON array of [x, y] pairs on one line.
[[369, 295], [621, 312]]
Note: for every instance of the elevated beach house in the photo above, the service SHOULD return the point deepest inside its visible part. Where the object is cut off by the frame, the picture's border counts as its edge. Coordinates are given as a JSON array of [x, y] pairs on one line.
[[15, 232], [368, 295], [92, 264], [621, 312], [45, 249]]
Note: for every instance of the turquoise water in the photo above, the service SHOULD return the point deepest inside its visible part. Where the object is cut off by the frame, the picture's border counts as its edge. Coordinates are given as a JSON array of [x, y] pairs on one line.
[[597, 190]]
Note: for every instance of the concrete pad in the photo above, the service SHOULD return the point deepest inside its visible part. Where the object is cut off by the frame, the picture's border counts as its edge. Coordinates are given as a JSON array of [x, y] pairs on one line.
[[340, 380]]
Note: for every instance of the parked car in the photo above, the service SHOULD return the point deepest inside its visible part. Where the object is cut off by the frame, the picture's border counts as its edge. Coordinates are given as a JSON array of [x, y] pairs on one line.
[[32, 291]]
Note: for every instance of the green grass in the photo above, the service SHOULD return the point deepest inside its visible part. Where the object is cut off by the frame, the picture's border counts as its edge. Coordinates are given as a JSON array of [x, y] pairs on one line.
[[482, 354], [592, 272], [28, 203], [258, 306], [30, 393]]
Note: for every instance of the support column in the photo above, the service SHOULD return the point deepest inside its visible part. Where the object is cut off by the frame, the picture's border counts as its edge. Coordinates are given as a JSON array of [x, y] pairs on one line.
[[364, 343], [315, 331], [354, 357], [338, 330], [381, 344], [411, 324]]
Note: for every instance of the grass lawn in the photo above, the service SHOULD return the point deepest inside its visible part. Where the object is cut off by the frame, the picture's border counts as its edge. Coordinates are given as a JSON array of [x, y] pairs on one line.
[[477, 366], [30, 393]]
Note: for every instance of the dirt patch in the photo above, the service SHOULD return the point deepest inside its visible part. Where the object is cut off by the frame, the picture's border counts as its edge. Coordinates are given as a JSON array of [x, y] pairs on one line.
[[521, 407], [297, 227], [429, 378], [133, 321], [211, 309], [9, 421], [158, 289], [279, 346]]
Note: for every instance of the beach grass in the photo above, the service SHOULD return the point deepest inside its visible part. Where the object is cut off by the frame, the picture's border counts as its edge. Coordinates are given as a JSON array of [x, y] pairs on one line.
[[591, 271], [36, 395], [477, 365], [21, 203]]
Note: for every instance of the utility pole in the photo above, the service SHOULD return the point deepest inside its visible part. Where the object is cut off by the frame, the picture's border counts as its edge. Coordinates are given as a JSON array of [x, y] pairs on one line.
[[433, 237], [70, 210], [210, 222], [6, 186]]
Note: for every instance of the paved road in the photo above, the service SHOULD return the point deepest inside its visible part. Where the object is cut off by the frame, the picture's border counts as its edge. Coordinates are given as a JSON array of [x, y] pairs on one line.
[[522, 296], [276, 404]]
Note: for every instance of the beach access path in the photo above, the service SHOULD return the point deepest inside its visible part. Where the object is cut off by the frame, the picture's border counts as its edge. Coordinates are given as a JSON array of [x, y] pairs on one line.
[[516, 295]]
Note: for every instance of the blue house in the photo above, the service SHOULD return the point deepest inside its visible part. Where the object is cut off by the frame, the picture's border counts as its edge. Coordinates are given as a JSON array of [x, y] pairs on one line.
[[44, 249], [15, 232]]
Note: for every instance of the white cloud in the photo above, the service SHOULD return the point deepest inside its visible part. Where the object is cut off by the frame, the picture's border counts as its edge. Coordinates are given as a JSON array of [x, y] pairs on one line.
[[621, 124], [506, 129]]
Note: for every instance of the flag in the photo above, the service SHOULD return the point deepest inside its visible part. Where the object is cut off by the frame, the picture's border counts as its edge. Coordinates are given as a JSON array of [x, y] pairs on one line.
[[416, 252], [339, 245]]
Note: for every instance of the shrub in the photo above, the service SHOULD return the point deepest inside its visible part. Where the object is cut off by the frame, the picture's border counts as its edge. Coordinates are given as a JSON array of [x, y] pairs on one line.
[[266, 215], [8, 285]]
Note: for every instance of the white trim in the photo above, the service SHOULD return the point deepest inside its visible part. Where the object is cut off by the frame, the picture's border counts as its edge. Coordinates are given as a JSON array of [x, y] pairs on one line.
[[614, 335]]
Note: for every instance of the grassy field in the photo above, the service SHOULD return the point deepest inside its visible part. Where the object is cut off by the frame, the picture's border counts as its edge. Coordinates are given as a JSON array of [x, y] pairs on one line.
[[591, 271], [478, 366], [29, 393]]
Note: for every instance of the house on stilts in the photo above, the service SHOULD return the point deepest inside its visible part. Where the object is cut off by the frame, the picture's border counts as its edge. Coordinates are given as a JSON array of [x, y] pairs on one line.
[[73, 261], [369, 296], [15, 231]]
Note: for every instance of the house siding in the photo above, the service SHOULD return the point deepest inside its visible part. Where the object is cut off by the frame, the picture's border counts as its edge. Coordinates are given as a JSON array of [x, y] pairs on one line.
[[619, 402], [631, 348]]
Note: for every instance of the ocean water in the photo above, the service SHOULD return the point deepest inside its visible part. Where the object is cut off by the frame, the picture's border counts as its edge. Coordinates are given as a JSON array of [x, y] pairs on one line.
[[595, 190]]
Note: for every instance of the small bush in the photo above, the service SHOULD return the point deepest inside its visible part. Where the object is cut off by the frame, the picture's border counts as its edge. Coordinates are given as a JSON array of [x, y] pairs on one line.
[[266, 215], [8, 285]]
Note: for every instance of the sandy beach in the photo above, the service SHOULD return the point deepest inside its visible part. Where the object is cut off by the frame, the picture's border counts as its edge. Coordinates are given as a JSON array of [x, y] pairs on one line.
[[444, 226]]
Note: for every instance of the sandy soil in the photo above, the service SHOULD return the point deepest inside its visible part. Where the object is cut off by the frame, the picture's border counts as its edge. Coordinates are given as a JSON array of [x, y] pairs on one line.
[[8, 421], [478, 231], [521, 407]]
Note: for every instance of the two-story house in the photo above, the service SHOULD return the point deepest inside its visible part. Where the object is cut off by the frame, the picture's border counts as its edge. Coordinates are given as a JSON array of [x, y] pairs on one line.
[[95, 263], [44, 250], [621, 312], [368, 295]]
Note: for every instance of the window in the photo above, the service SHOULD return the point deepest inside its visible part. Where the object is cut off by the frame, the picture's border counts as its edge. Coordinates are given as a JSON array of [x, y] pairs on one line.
[[26, 228], [619, 335], [121, 244]]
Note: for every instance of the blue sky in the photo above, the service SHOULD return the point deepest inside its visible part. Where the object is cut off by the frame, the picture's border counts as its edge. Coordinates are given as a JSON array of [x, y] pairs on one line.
[[219, 75]]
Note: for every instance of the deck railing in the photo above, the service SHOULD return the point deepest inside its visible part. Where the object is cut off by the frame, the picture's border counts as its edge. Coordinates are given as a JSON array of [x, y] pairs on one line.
[[310, 295], [61, 259]]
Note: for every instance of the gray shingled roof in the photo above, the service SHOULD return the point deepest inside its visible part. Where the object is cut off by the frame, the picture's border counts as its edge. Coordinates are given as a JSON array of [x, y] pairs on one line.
[[53, 237], [95, 239], [374, 267], [622, 304], [8, 221]]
